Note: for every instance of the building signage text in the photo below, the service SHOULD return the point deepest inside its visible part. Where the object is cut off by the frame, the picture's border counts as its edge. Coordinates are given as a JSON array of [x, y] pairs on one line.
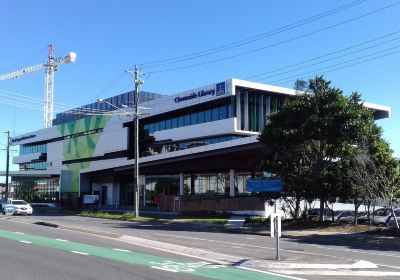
[[19, 139], [218, 90]]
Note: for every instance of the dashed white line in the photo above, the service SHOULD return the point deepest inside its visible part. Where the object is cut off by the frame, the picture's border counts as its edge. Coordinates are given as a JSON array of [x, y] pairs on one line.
[[17, 232], [121, 250], [23, 241], [79, 253]]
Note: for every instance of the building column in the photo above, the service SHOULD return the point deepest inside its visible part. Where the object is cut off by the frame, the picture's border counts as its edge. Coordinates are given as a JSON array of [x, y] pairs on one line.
[[246, 112], [238, 115], [192, 182], [231, 183], [268, 109], [181, 185]]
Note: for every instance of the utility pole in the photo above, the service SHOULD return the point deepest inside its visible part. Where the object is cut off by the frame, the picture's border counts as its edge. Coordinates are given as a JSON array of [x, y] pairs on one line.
[[7, 165], [138, 82]]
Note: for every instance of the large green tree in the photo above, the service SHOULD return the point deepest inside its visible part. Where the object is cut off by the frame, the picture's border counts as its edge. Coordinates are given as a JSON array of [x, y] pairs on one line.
[[310, 140]]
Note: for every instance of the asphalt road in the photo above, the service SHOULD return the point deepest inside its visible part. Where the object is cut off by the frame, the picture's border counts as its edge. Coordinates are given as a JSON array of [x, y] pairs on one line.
[[252, 251], [36, 252]]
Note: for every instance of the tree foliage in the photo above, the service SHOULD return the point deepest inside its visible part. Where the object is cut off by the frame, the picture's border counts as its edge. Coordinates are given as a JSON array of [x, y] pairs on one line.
[[311, 141]]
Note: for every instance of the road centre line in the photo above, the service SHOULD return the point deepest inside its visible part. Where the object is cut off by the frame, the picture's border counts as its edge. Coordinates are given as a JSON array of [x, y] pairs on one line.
[[17, 232], [23, 241], [62, 240]]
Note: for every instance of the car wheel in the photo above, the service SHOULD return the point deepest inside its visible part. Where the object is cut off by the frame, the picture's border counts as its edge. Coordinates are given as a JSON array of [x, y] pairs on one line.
[[381, 225]]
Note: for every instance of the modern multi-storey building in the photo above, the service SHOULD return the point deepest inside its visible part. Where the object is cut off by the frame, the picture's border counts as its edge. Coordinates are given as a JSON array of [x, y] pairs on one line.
[[202, 142]]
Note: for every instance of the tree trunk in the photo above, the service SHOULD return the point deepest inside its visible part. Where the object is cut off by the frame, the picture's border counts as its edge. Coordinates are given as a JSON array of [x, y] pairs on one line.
[[297, 209], [394, 215], [321, 209]]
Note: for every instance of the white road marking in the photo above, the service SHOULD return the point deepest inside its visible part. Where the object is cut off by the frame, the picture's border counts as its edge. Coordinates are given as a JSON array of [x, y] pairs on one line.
[[23, 241], [154, 247], [79, 253], [62, 240], [340, 273], [252, 246], [121, 250], [17, 232]]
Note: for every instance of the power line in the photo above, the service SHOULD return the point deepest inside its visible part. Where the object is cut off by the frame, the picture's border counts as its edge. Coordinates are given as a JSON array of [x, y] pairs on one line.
[[252, 38], [325, 55], [318, 71], [278, 43], [326, 60]]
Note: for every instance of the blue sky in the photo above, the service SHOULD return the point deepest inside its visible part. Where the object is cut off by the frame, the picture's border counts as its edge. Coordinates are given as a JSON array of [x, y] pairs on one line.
[[111, 36]]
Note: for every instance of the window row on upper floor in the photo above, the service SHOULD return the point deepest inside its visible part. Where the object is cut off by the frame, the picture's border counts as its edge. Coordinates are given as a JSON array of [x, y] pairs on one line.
[[28, 149], [213, 113]]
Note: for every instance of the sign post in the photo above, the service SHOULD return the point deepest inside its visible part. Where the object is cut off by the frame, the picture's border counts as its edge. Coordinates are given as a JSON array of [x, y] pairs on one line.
[[263, 186]]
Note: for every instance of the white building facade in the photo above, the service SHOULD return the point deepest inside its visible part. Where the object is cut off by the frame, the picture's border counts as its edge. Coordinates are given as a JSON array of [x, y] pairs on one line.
[[201, 142]]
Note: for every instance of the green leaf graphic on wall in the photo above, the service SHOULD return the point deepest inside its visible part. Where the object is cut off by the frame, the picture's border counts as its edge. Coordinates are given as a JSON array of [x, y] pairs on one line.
[[81, 146]]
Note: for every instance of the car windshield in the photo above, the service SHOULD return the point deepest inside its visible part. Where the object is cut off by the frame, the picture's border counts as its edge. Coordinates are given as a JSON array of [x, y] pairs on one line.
[[19, 202], [382, 212]]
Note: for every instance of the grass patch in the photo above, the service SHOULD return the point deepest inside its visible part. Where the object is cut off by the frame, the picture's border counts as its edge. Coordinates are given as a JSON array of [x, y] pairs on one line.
[[130, 216], [127, 216], [200, 220]]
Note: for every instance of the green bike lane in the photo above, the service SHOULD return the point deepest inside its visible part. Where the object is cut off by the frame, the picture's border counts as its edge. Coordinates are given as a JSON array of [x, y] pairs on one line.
[[170, 265]]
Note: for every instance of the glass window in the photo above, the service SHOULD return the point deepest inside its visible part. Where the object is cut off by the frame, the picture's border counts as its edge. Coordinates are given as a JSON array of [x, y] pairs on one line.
[[186, 120], [156, 126], [193, 118], [214, 114], [162, 125], [200, 117], [174, 123], [223, 112], [207, 115], [168, 124], [151, 128], [180, 121]]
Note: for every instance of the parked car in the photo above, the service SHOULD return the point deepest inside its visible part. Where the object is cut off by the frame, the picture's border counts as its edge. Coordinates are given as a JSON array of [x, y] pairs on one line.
[[313, 214], [347, 217], [391, 222], [378, 217], [20, 206]]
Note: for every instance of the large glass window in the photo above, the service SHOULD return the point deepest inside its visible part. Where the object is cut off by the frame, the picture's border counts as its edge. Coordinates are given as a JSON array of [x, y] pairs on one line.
[[193, 118]]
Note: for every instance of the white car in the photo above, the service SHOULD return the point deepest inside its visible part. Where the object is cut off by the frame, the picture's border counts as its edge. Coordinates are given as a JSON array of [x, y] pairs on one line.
[[21, 206]]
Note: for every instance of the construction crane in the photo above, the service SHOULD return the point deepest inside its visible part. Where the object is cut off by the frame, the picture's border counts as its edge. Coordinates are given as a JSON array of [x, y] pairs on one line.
[[51, 67]]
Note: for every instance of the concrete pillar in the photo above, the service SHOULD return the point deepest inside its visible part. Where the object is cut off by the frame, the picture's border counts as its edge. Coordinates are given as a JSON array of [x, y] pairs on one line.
[[192, 182], [268, 109], [231, 183], [238, 115], [246, 111], [181, 184]]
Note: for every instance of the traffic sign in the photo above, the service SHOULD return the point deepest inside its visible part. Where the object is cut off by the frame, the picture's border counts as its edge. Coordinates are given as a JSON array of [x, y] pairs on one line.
[[263, 185]]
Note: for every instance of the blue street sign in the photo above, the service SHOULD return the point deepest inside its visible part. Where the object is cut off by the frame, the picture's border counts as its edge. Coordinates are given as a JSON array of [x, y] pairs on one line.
[[262, 185]]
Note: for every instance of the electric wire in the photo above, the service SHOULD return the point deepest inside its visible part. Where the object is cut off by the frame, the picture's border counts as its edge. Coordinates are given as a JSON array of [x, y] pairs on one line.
[[326, 60], [318, 71], [276, 44], [252, 38], [324, 55]]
